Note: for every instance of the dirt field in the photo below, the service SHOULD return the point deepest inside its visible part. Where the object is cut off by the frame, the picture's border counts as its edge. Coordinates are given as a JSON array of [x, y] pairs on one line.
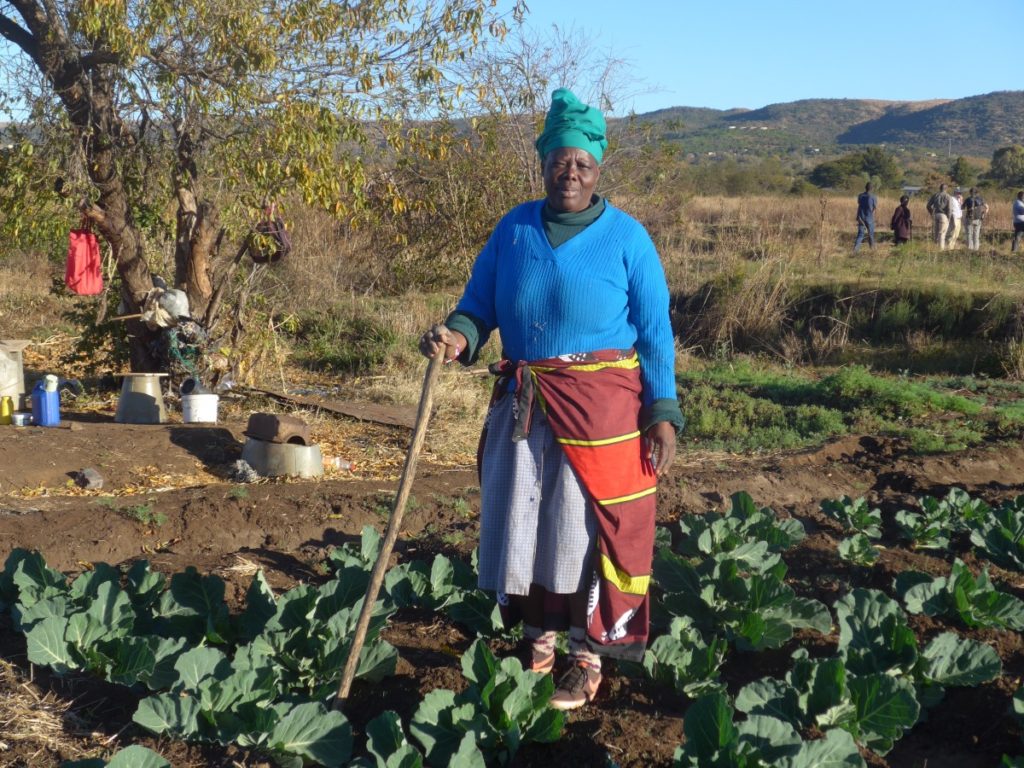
[[287, 528]]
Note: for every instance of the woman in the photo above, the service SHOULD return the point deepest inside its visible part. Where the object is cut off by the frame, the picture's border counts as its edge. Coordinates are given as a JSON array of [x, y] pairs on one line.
[[901, 222], [584, 415]]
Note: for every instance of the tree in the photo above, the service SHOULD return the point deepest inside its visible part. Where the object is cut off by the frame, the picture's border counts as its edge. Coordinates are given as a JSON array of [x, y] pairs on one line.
[[489, 161], [873, 163], [831, 174], [1008, 166], [184, 117], [962, 172], [880, 166]]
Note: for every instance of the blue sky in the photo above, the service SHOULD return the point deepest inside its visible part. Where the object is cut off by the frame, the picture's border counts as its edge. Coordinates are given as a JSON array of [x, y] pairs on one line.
[[742, 53]]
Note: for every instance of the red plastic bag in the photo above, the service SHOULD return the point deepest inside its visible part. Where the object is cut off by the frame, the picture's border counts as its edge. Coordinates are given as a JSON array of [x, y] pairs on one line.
[[83, 274]]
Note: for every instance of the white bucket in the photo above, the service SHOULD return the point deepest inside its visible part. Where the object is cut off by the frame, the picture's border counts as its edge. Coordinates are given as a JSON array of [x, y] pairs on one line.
[[196, 409]]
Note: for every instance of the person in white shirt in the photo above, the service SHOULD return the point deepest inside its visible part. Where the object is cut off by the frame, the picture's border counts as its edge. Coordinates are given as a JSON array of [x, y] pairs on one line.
[[956, 213]]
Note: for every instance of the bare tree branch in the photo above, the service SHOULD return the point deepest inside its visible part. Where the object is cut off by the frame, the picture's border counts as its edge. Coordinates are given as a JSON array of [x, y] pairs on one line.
[[18, 35]]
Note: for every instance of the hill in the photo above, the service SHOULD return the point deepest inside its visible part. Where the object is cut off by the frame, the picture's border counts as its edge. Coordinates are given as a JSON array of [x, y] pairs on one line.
[[976, 125], [979, 122]]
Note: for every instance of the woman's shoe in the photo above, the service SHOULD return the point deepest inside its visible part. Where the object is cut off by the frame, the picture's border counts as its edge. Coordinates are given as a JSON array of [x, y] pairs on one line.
[[534, 659], [577, 687]]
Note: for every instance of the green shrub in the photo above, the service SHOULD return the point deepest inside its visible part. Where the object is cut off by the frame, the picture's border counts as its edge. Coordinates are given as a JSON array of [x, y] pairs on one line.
[[738, 420], [952, 438], [896, 319], [856, 387], [947, 310], [744, 406]]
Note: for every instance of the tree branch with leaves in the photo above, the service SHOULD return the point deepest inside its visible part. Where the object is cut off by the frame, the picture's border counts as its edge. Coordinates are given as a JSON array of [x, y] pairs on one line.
[[186, 117]]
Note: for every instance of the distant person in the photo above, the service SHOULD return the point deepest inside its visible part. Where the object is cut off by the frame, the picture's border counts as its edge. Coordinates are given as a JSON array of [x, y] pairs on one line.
[[975, 211], [938, 207], [866, 204], [902, 223], [1018, 220], [956, 213]]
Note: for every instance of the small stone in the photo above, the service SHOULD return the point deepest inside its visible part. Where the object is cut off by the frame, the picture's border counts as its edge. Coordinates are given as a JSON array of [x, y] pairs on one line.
[[89, 479], [74, 426]]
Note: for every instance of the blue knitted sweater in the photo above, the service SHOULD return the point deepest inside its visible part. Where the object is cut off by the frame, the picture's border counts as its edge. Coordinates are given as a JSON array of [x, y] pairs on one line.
[[602, 289]]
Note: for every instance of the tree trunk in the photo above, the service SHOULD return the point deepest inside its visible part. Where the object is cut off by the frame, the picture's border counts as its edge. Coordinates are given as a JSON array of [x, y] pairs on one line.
[[82, 82], [198, 284], [185, 219], [113, 219], [196, 231]]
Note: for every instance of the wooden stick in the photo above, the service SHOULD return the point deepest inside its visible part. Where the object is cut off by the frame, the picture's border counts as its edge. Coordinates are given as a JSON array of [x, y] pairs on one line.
[[218, 295], [124, 317], [394, 525]]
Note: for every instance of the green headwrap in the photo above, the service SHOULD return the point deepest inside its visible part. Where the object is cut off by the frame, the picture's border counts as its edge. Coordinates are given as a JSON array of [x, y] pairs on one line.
[[571, 123]]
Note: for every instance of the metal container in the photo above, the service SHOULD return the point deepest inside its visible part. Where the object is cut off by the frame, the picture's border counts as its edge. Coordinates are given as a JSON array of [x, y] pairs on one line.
[[277, 428], [277, 459], [193, 386], [142, 400], [21, 419]]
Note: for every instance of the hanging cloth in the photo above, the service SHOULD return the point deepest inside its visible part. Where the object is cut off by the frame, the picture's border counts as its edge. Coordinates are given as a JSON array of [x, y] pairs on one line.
[[83, 274]]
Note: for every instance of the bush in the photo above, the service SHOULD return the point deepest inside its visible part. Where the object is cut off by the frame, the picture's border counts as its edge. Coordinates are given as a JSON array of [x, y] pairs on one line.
[[849, 170], [738, 420], [1008, 166], [856, 387]]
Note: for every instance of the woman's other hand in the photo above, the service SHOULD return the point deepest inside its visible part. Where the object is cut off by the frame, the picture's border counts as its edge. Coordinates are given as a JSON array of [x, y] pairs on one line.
[[660, 447], [441, 337]]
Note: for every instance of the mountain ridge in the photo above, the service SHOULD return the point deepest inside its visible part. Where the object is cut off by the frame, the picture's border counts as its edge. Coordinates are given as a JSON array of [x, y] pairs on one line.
[[973, 125]]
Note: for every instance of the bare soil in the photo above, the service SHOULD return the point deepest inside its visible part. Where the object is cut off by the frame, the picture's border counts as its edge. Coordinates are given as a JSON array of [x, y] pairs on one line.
[[287, 528]]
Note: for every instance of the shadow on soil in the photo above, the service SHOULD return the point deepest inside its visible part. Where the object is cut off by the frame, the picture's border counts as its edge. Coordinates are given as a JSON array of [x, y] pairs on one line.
[[213, 446]]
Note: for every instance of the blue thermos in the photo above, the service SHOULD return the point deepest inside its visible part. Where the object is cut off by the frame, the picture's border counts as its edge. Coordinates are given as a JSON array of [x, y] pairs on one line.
[[45, 406]]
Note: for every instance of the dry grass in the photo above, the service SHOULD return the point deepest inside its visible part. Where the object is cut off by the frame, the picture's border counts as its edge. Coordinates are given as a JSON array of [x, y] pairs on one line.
[[460, 399], [36, 728], [327, 261], [1012, 359], [758, 246], [378, 451], [717, 235], [242, 568], [26, 305], [751, 308]]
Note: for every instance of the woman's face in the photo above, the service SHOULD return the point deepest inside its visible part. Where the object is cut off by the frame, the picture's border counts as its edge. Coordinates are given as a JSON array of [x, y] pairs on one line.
[[570, 175]]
